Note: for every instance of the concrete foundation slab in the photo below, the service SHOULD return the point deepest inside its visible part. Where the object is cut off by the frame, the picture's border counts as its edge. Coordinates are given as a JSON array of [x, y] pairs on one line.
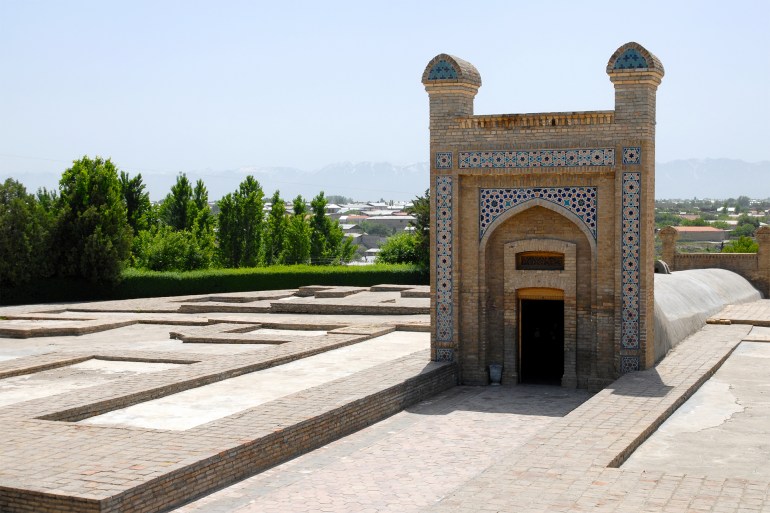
[[723, 429]]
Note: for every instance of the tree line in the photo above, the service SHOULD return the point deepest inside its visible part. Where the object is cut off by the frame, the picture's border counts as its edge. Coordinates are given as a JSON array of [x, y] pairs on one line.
[[101, 220]]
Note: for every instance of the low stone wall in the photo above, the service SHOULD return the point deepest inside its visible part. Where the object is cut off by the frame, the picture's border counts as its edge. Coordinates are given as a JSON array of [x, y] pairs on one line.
[[755, 267]]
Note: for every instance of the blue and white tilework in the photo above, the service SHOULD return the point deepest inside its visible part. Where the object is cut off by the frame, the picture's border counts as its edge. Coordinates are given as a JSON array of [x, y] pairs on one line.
[[442, 70], [632, 155], [630, 59], [581, 201], [444, 355], [444, 285], [537, 158], [629, 364], [444, 160], [630, 247]]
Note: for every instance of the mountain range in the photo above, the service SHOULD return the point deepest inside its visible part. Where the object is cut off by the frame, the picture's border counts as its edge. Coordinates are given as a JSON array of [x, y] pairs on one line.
[[371, 181]]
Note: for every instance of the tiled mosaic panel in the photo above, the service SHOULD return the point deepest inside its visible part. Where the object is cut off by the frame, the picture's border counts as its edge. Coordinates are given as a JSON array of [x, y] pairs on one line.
[[444, 160], [630, 268], [581, 201], [444, 315], [537, 158], [442, 70], [444, 355], [630, 59], [632, 155], [629, 364]]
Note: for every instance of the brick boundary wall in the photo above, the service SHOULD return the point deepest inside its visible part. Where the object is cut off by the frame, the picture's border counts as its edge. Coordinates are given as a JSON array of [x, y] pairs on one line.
[[755, 267]]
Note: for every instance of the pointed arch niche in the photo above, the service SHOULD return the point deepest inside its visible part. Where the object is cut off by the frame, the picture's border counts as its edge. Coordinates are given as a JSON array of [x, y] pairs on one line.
[[535, 227]]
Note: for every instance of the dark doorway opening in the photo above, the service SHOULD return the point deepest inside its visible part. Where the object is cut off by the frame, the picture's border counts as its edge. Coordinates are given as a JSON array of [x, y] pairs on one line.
[[542, 341]]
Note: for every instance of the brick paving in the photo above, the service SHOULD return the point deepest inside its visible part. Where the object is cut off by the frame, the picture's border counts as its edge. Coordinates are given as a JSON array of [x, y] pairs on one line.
[[492, 449], [50, 463], [531, 449], [404, 463]]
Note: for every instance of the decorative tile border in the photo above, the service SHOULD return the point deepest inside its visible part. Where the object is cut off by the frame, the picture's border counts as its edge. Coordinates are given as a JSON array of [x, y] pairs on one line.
[[632, 155], [444, 355], [629, 364], [537, 158], [581, 201], [630, 248], [444, 160], [444, 285]]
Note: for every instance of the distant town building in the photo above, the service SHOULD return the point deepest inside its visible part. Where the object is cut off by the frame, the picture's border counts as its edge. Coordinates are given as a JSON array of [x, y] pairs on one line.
[[700, 234]]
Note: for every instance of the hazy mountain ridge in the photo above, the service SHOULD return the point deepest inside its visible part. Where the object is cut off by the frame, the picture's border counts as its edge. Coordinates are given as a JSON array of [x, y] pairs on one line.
[[702, 178]]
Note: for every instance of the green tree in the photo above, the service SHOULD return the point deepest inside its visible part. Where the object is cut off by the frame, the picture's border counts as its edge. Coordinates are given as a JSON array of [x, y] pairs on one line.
[[24, 235], [420, 209], [319, 230], [49, 201], [741, 245], [165, 249], [663, 219], [175, 208], [241, 220], [137, 201], [399, 249], [296, 247], [228, 235], [746, 227], [92, 237], [200, 196], [275, 231], [203, 223], [250, 201], [328, 243]]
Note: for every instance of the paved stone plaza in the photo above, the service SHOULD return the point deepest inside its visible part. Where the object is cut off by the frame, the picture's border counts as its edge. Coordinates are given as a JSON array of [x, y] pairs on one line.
[[384, 430]]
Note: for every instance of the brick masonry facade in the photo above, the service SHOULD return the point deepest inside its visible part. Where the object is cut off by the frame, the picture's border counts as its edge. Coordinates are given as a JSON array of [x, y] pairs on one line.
[[579, 181]]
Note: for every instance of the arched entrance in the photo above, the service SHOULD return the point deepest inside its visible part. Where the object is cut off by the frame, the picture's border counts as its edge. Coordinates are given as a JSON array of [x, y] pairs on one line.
[[540, 290], [541, 336]]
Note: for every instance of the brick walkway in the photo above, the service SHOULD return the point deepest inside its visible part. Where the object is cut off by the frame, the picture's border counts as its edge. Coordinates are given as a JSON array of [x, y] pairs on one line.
[[404, 463], [465, 450], [496, 449]]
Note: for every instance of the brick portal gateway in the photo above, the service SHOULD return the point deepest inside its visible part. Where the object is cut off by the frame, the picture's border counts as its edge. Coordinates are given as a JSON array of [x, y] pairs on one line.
[[543, 207]]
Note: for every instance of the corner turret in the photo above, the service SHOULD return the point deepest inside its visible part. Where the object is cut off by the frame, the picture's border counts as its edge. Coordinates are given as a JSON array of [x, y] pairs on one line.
[[452, 84], [636, 74]]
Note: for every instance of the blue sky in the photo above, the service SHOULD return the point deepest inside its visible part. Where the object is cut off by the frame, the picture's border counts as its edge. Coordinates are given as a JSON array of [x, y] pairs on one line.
[[169, 86]]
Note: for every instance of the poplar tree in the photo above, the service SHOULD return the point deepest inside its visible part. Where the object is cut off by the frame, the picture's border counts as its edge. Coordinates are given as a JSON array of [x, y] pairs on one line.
[[137, 201], [328, 243], [241, 222], [275, 231], [296, 248]]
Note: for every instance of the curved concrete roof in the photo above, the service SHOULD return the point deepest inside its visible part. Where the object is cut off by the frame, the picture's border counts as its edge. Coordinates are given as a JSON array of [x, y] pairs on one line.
[[685, 299]]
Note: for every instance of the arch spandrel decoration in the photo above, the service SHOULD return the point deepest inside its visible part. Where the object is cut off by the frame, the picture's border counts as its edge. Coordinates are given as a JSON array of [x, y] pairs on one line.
[[579, 201]]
